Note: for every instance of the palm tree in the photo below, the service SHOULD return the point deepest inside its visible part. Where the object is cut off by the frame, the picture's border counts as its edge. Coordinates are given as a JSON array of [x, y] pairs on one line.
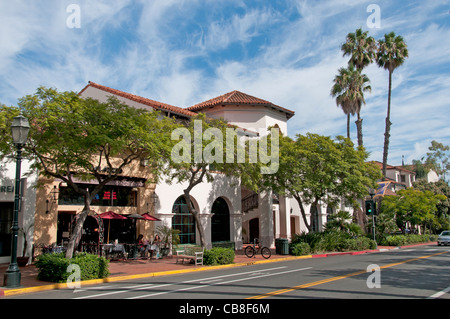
[[361, 48], [348, 88], [362, 51], [392, 52]]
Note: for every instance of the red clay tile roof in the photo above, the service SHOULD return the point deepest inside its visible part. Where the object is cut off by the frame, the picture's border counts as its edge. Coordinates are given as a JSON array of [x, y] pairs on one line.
[[154, 104], [380, 165], [238, 98]]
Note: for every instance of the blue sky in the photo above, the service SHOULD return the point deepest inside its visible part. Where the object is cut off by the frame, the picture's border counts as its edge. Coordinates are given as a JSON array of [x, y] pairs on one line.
[[184, 52]]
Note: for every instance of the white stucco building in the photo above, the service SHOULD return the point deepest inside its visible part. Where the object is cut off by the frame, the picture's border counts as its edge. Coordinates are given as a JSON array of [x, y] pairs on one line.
[[229, 212]]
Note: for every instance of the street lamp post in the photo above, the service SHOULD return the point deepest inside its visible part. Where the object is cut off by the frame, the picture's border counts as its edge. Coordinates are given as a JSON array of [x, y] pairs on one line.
[[372, 193], [19, 130]]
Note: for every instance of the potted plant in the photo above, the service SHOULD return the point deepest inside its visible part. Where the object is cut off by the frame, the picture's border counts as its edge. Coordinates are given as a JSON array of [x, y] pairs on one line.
[[23, 260], [169, 236]]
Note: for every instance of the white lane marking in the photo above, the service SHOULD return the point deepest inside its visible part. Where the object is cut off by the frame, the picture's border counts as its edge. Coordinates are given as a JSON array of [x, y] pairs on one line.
[[217, 284], [440, 293], [152, 286]]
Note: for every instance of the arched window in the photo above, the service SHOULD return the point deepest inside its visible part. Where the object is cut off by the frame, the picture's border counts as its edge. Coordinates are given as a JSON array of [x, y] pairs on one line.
[[183, 221], [220, 222]]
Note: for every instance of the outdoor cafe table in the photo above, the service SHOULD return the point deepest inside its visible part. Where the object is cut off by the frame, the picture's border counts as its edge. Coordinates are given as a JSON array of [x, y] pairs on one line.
[[115, 251]]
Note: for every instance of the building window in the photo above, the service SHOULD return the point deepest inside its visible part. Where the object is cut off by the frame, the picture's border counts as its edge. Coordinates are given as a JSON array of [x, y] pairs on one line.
[[109, 196], [220, 222], [183, 221]]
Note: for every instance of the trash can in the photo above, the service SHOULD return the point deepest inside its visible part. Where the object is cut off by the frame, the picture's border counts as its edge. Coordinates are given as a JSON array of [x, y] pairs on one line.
[[282, 246]]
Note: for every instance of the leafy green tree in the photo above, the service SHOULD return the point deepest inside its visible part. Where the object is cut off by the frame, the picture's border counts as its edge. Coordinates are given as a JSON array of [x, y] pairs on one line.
[[392, 52], [206, 147], [6, 116], [440, 187], [74, 139], [412, 206], [316, 168], [439, 158]]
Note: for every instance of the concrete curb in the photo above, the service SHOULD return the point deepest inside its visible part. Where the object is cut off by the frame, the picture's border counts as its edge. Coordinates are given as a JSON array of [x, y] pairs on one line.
[[18, 291]]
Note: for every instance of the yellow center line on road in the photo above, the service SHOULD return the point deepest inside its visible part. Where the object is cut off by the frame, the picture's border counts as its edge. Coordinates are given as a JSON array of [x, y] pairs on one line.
[[320, 282]]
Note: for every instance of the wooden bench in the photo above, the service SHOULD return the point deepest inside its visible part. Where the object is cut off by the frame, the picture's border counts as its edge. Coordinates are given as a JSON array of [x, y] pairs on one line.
[[190, 253]]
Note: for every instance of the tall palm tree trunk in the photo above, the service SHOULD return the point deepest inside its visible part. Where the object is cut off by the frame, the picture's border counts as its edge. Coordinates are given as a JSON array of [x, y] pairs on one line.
[[359, 129], [388, 127], [348, 125]]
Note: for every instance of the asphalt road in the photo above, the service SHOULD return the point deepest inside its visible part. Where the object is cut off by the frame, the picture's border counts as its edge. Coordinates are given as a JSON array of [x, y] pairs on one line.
[[420, 272]]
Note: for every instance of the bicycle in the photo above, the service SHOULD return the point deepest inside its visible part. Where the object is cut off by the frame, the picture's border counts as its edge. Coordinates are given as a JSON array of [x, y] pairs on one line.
[[251, 251]]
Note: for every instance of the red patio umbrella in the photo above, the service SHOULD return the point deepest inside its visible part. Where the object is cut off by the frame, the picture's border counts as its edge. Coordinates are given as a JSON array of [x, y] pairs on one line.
[[111, 215], [147, 216]]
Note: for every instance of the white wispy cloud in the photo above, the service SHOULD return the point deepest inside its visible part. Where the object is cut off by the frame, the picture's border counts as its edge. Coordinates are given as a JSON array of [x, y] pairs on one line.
[[185, 51]]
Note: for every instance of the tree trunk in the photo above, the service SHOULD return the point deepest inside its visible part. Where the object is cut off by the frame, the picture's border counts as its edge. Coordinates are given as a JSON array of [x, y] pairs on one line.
[[388, 128], [197, 219], [359, 130], [348, 125], [302, 210], [73, 241]]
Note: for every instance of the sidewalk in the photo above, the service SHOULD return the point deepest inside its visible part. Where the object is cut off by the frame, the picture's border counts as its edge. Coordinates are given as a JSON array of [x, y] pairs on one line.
[[133, 269]]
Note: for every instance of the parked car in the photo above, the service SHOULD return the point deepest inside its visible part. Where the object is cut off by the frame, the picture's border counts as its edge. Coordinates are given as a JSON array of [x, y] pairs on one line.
[[444, 238]]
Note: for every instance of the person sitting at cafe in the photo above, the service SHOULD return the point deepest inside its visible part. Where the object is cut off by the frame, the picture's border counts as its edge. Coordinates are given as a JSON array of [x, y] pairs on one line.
[[154, 248], [142, 243]]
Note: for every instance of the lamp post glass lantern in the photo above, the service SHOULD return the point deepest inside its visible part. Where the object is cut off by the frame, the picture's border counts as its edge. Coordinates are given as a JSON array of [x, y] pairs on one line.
[[19, 131]]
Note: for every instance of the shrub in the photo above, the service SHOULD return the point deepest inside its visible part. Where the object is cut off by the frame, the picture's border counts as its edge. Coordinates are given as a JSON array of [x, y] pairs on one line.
[[92, 266], [53, 267], [218, 256], [300, 249], [364, 243], [312, 239], [333, 241], [401, 240]]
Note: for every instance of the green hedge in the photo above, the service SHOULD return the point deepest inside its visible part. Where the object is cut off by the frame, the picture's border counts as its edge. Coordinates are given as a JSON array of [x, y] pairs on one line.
[[53, 267], [300, 249], [329, 241], [218, 256], [402, 240]]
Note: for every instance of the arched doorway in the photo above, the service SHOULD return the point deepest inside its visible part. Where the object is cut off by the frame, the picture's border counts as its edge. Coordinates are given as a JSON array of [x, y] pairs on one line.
[[183, 221], [220, 222], [253, 226]]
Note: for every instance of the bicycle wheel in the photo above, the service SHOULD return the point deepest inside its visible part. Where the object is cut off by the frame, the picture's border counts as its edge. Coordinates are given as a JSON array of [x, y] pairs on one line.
[[265, 252], [249, 251]]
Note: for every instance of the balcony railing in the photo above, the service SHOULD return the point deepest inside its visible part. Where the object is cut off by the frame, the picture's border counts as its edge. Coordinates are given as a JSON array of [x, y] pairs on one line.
[[250, 202]]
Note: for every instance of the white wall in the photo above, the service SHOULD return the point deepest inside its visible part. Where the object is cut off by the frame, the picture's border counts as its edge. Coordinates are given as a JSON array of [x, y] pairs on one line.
[[28, 205], [203, 197], [251, 118]]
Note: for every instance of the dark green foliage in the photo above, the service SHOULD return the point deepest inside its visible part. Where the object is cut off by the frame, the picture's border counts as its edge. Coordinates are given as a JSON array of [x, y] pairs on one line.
[[218, 256], [300, 249], [401, 240], [329, 241], [53, 267]]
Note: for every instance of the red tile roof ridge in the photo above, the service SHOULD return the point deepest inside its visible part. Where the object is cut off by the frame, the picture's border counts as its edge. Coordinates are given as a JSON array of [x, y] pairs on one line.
[[152, 103], [380, 165], [238, 98]]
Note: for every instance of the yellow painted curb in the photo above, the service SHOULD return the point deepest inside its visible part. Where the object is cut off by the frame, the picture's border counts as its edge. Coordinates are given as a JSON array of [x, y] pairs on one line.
[[12, 292]]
